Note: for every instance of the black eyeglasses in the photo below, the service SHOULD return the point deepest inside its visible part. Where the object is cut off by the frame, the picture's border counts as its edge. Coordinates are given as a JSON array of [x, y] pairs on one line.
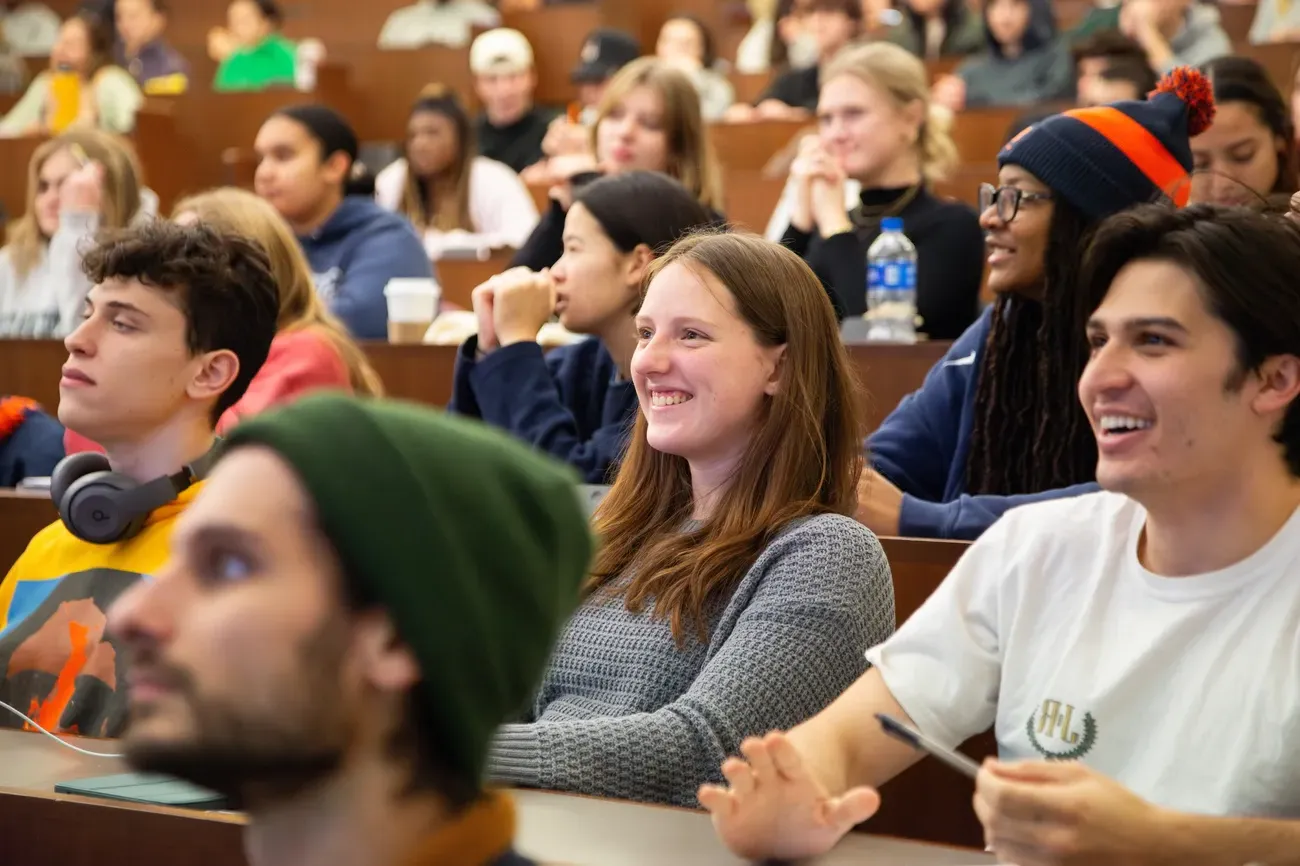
[[1007, 199]]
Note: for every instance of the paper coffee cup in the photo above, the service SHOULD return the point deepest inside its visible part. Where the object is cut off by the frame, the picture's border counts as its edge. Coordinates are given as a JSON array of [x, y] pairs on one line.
[[412, 307]]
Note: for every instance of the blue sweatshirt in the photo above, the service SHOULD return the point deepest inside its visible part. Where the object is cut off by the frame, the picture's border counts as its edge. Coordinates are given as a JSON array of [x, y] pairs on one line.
[[569, 402], [32, 450], [354, 255], [923, 445]]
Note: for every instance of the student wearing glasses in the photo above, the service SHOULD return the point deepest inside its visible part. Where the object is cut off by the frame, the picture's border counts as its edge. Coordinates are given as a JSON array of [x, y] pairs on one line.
[[997, 422]]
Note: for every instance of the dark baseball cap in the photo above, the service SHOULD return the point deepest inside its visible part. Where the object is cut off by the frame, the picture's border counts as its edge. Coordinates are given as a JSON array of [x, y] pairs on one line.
[[605, 52]]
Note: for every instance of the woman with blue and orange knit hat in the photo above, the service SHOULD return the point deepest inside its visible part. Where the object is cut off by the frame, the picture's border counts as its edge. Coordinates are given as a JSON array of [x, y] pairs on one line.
[[997, 422]]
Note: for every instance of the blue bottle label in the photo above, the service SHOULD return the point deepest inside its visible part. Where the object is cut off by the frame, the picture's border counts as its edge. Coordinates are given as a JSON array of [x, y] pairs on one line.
[[892, 275]]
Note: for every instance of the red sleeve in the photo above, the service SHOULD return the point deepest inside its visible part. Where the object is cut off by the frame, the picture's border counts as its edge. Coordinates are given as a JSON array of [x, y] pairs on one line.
[[75, 443], [298, 363]]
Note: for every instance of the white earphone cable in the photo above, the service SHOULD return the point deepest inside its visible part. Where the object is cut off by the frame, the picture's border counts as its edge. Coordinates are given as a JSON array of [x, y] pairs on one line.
[[58, 739]]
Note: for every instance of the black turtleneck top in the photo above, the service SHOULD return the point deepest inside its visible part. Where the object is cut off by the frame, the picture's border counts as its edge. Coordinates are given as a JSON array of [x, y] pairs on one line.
[[949, 258]]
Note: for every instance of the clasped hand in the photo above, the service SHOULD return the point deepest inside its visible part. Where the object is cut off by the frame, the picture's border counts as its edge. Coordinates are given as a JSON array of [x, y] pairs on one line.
[[819, 190], [512, 307]]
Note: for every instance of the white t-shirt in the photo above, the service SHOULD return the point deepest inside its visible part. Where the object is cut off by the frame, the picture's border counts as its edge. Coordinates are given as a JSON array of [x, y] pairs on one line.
[[1186, 690], [500, 207]]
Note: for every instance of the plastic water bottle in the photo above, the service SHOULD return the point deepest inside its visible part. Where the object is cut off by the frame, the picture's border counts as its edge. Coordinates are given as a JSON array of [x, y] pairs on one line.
[[891, 285]]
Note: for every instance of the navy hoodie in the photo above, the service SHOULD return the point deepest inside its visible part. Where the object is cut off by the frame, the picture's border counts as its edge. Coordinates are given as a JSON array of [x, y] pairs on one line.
[[354, 255], [568, 402], [32, 450], [923, 446]]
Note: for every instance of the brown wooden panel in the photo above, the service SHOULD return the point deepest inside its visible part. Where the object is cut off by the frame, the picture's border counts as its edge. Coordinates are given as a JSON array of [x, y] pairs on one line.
[[459, 277], [388, 83], [889, 372], [751, 198], [964, 183], [749, 85], [748, 146], [1236, 19], [1280, 59], [979, 134], [157, 143]]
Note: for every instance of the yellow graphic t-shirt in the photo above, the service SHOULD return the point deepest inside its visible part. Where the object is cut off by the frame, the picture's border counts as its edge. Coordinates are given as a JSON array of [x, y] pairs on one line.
[[56, 663]]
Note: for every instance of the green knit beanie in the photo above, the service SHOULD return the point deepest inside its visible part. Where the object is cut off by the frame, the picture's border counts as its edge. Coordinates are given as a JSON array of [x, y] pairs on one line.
[[475, 544]]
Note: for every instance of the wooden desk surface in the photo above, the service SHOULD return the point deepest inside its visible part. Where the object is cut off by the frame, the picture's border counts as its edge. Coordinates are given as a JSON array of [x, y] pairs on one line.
[[57, 830]]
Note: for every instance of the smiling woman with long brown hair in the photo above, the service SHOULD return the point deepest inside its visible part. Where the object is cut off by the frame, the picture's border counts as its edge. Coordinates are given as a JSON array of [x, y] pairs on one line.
[[733, 589]]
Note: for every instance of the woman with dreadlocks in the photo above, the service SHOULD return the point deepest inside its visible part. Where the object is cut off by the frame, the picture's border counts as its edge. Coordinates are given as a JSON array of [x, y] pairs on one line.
[[997, 422]]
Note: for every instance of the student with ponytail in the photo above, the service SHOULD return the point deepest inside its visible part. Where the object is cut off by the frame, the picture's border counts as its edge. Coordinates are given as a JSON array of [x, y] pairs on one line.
[[308, 171], [997, 422], [878, 130]]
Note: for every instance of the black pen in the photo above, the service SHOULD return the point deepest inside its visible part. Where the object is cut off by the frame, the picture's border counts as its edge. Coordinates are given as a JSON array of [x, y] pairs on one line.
[[917, 740]]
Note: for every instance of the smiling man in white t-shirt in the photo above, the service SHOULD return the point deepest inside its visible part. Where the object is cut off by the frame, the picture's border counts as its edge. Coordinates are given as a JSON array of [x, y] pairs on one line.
[[1137, 650]]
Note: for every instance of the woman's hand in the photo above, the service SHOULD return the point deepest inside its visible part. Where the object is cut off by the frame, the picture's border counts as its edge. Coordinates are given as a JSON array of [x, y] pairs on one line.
[[512, 307], [950, 92], [820, 200], [83, 190]]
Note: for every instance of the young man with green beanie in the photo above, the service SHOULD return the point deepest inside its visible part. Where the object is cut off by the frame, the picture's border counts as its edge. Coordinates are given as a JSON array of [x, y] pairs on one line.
[[361, 594]]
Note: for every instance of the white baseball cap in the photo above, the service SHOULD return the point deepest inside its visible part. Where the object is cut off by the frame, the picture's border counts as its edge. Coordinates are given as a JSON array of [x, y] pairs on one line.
[[500, 51]]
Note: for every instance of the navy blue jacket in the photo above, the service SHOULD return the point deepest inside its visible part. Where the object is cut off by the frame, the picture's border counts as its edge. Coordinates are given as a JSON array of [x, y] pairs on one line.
[[32, 450], [923, 446], [568, 402], [354, 255]]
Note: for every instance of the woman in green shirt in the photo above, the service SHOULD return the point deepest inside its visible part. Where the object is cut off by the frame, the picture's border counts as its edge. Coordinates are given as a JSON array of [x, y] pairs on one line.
[[251, 52]]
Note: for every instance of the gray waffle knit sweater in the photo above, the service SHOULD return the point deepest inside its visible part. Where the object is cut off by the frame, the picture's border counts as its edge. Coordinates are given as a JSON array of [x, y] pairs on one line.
[[623, 712]]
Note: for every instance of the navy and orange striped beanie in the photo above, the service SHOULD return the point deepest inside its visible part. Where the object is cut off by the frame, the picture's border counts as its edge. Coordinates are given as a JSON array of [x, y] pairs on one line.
[[1107, 159]]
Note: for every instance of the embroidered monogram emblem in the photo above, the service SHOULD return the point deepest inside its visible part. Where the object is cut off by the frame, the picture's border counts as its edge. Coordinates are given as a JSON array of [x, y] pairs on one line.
[[1054, 723]]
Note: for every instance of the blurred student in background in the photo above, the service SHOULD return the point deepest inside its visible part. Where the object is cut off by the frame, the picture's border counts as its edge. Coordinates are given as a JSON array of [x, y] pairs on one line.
[[931, 29], [878, 129], [31, 441], [577, 401], [605, 52], [686, 42], [832, 24], [455, 200], [649, 119], [1175, 32], [1111, 67], [311, 350], [1275, 21], [436, 22], [13, 71], [157, 67], [82, 87], [78, 183], [31, 28], [512, 127], [1249, 152], [308, 171], [250, 51], [1025, 62]]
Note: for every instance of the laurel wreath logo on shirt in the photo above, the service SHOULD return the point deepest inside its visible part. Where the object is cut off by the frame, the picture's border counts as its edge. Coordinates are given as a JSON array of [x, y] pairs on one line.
[[1047, 721]]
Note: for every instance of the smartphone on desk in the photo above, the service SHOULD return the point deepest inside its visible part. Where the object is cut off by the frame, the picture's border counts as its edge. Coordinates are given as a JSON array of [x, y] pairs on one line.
[[150, 788]]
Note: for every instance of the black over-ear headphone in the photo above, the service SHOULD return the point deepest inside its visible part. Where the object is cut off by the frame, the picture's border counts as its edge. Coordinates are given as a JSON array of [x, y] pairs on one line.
[[101, 506]]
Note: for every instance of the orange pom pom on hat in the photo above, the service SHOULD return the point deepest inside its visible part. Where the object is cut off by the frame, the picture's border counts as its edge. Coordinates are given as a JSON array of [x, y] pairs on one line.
[[1107, 159]]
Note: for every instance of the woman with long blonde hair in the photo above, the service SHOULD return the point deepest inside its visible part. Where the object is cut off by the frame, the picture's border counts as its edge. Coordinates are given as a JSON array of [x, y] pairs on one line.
[[879, 130], [311, 350], [78, 183], [649, 119], [733, 590]]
